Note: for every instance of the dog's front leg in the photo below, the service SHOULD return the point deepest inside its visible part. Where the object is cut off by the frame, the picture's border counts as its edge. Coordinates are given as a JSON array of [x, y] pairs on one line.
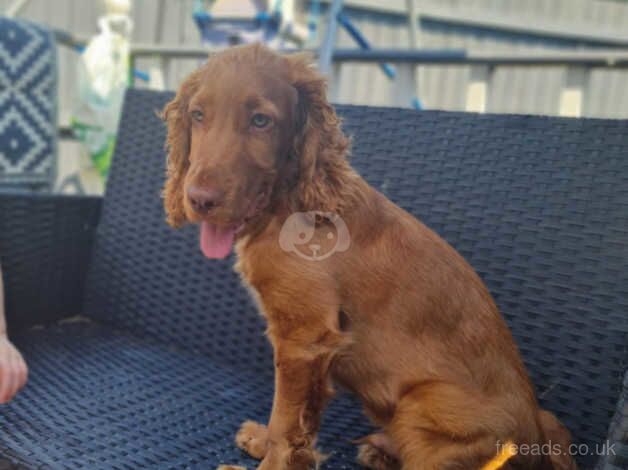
[[304, 331], [302, 358], [302, 389]]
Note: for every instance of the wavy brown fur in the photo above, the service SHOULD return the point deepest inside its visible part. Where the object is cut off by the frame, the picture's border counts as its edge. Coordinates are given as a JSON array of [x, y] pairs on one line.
[[325, 177]]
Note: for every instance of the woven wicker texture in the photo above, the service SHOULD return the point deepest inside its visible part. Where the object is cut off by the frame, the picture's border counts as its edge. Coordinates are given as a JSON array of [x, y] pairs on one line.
[[45, 245], [100, 400], [539, 206], [619, 432], [617, 456]]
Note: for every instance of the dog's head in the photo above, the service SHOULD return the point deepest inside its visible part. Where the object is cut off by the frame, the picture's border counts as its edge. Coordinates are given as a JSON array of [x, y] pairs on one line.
[[245, 123]]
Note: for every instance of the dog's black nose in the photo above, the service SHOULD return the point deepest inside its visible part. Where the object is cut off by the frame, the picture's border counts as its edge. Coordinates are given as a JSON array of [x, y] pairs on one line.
[[203, 200]]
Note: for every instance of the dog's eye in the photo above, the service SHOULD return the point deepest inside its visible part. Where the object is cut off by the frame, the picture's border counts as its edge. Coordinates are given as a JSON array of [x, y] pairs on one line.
[[260, 121], [197, 115]]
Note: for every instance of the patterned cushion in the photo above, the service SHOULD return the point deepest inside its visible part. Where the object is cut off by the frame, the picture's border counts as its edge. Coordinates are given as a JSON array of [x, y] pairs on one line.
[[28, 104]]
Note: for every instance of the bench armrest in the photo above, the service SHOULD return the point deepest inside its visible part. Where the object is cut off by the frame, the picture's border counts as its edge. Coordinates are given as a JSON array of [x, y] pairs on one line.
[[45, 244]]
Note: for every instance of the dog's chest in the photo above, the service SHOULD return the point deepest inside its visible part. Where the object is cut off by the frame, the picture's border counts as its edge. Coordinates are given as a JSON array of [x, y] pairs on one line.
[[252, 277], [245, 278]]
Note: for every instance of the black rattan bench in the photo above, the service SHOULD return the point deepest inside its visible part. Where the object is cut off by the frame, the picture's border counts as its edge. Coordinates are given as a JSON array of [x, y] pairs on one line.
[[150, 356]]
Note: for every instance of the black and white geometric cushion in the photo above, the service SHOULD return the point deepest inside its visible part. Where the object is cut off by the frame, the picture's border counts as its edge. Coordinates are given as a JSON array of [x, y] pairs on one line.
[[28, 104]]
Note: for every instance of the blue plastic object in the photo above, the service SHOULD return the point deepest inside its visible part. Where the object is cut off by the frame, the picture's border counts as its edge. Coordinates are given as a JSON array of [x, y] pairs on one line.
[[264, 20], [344, 20], [313, 19]]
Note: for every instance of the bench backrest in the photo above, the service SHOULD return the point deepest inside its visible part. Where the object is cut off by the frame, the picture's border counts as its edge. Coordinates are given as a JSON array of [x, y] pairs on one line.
[[538, 205]]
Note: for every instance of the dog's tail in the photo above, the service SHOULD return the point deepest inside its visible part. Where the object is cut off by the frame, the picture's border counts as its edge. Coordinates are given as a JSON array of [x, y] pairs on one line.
[[558, 441]]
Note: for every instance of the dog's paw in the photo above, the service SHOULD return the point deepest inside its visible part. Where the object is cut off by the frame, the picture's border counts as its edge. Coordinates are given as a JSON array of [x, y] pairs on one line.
[[374, 458], [231, 467], [283, 457], [252, 438], [306, 458]]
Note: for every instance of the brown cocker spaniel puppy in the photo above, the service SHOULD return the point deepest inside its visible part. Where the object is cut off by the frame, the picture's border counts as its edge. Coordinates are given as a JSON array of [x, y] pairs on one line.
[[356, 291]]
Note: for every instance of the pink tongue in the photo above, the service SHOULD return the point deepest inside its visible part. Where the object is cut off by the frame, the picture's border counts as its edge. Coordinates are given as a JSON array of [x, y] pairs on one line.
[[216, 242]]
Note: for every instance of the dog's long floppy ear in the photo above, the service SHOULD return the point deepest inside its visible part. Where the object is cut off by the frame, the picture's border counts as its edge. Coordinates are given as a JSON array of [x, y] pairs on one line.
[[320, 145], [175, 113]]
